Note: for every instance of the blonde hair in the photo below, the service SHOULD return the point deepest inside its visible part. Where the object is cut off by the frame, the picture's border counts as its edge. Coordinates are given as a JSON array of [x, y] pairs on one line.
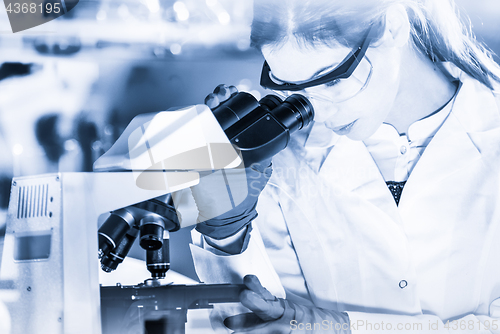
[[437, 29]]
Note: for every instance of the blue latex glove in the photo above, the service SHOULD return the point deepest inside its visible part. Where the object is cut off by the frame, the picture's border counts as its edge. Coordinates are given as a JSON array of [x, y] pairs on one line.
[[272, 315]]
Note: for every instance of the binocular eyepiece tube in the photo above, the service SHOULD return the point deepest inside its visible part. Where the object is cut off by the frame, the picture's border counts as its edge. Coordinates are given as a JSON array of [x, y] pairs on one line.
[[261, 129]]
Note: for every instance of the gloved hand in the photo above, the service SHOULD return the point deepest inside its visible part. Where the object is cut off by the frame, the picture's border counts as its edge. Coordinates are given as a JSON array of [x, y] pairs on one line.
[[272, 315], [226, 199]]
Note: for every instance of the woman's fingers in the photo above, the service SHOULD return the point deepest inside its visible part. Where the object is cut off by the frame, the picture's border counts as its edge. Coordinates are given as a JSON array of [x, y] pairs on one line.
[[233, 90], [260, 300], [221, 93], [265, 309], [253, 284], [212, 100]]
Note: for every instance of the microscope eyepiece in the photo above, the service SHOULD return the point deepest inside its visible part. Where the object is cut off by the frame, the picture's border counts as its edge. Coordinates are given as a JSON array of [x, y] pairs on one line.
[[300, 106], [270, 101]]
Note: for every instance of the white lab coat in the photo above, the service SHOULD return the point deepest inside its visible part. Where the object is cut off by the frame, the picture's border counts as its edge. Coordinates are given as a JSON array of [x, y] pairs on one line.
[[336, 239]]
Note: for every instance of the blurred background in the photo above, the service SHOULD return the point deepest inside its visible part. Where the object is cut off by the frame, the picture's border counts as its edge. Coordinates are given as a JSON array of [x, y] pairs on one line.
[[69, 87]]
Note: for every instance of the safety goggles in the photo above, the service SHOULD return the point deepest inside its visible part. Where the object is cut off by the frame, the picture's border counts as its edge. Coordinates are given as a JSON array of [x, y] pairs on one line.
[[343, 82]]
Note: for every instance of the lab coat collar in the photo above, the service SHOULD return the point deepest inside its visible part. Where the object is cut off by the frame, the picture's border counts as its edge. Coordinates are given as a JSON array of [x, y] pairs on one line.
[[470, 132], [351, 167]]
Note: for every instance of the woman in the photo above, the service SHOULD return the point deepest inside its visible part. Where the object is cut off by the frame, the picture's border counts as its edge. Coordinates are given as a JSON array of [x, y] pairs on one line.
[[383, 215]]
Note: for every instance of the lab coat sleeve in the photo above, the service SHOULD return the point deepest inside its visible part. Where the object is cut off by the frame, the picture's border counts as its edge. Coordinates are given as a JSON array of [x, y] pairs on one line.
[[213, 267], [269, 255]]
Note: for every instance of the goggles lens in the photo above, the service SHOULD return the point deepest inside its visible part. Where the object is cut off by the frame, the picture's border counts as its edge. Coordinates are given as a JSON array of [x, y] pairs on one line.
[[337, 90], [340, 84]]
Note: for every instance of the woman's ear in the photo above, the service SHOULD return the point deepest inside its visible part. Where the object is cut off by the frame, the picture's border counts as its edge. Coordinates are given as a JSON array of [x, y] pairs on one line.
[[397, 27]]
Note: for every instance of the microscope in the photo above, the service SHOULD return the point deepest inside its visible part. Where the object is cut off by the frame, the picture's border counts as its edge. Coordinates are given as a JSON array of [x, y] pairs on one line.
[[49, 277]]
